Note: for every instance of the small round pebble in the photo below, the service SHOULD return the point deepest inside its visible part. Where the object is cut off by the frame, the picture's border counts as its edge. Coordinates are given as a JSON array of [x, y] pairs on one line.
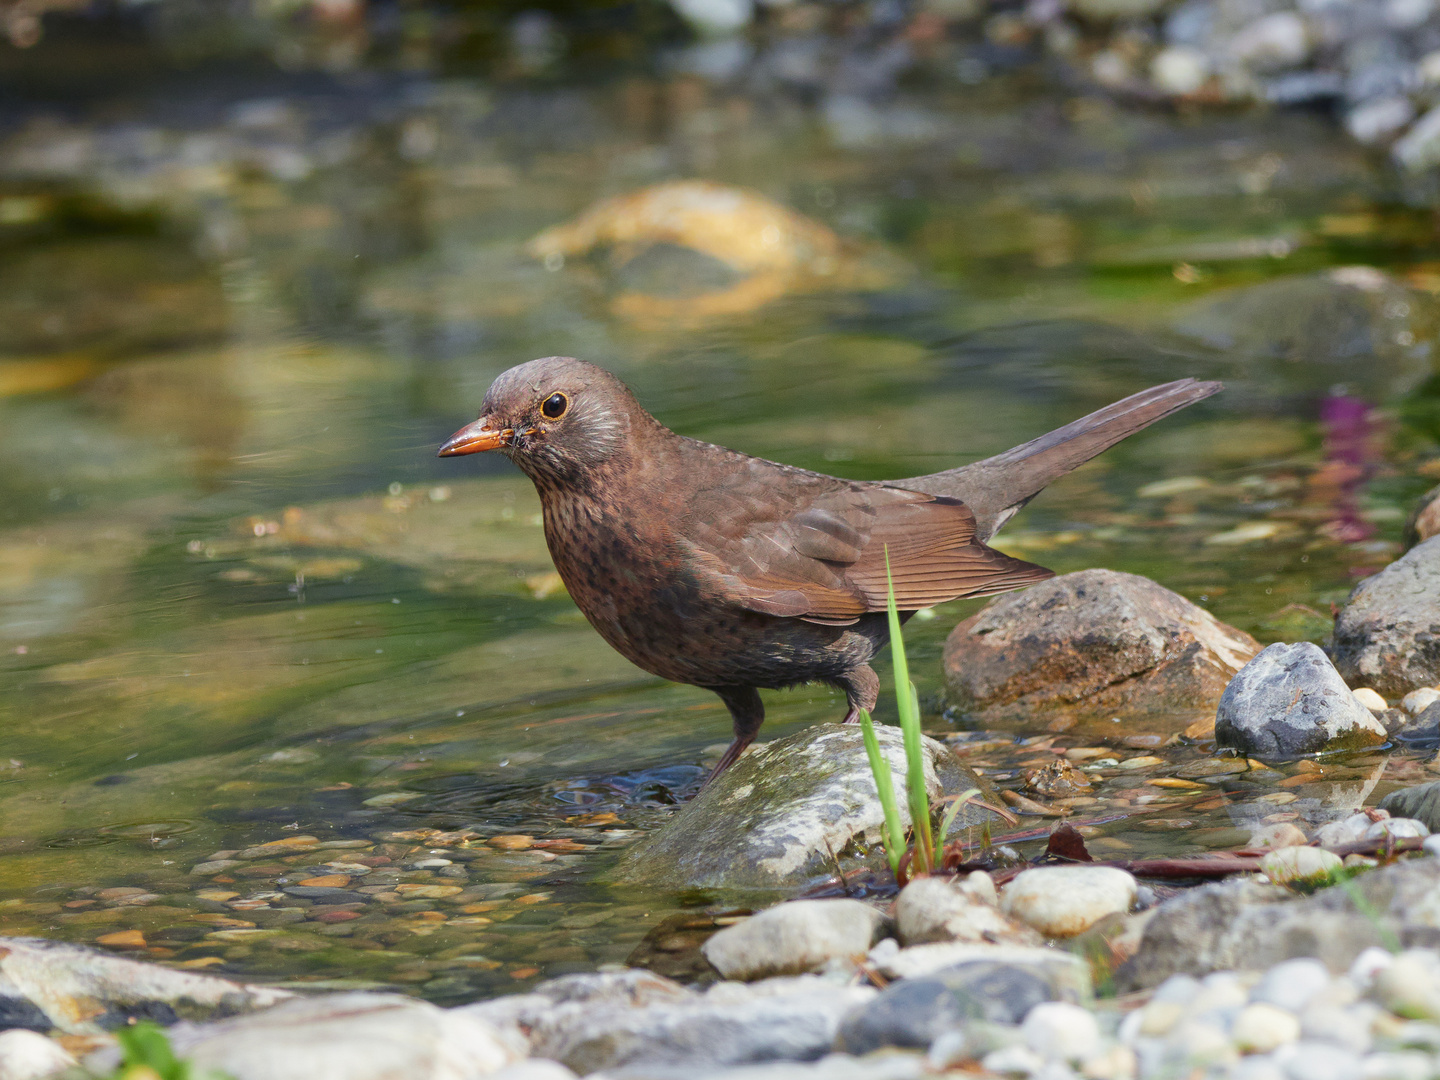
[[1062, 901], [1291, 985], [1369, 964], [1059, 1030], [1281, 834], [1370, 699], [1409, 986], [1317, 1061], [1179, 70], [1399, 828], [1008, 1060], [511, 842], [1261, 1027], [1300, 867], [1417, 701], [1348, 830]]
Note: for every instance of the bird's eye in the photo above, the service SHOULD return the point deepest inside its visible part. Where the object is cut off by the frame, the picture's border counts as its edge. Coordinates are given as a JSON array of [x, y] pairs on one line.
[[555, 406]]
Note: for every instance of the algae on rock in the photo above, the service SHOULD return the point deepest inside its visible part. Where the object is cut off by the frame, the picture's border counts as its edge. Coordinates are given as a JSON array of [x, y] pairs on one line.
[[772, 819]]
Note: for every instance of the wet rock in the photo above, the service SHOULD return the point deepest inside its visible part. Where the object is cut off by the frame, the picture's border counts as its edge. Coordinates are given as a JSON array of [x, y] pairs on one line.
[[793, 938], [1089, 645], [1243, 924], [761, 249], [914, 1012], [359, 1036], [26, 1055], [1394, 721], [1290, 700], [784, 1020], [1421, 731], [1388, 635], [1057, 780], [1062, 901], [942, 909], [772, 819], [1421, 802], [1304, 869], [1310, 331], [82, 991]]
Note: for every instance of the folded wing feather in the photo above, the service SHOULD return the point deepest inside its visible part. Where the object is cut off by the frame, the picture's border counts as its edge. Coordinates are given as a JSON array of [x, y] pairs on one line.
[[808, 546]]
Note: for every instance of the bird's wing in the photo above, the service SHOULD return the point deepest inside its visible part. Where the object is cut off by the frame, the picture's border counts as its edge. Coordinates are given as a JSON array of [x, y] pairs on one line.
[[786, 542]]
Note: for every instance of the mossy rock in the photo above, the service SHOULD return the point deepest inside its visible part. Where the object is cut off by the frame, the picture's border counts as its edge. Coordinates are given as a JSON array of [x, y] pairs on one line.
[[772, 820]]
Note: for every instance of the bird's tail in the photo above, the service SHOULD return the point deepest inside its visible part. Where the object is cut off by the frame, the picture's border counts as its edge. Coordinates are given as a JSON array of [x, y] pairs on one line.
[[998, 486]]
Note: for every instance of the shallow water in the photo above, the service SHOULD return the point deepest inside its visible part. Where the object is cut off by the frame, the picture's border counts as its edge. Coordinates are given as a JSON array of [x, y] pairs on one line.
[[241, 601]]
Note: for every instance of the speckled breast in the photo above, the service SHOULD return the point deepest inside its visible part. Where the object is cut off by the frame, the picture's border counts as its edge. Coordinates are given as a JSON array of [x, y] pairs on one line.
[[638, 592]]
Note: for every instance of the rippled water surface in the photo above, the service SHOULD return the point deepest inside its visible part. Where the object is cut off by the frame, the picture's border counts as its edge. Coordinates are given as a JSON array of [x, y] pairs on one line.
[[242, 602]]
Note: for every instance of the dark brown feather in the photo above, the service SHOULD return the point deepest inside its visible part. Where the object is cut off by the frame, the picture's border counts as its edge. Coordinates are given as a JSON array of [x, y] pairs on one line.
[[782, 541]]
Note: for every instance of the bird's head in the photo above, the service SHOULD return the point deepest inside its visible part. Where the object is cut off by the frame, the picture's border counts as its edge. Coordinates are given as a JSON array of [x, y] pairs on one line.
[[557, 418]]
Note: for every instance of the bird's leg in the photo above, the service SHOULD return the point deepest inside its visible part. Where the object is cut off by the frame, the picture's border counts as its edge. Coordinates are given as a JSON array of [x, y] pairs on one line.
[[747, 713], [862, 689]]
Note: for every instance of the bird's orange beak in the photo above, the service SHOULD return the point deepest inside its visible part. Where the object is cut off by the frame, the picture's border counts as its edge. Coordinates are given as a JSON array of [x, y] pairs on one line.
[[475, 438]]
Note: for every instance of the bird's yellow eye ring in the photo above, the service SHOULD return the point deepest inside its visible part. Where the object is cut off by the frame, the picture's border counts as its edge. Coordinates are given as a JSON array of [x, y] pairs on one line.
[[554, 406]]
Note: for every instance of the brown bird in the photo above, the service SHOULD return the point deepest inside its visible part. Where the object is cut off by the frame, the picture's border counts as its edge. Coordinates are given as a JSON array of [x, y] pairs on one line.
[[714, 568]]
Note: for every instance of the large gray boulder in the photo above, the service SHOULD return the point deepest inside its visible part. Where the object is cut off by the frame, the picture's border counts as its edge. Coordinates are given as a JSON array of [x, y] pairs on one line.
[[1243, 925], [1388, 635], [772, 819], [1088, 646], [1290, 700]]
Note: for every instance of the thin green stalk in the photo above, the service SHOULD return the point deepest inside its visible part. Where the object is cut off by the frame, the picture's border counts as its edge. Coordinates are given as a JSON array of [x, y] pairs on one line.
[[957, 803], [894, 832], [908, 703]]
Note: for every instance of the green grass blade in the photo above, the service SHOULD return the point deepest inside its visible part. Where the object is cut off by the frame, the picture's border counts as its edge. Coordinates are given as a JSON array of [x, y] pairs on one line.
[[894, 831], [957, 803], [908, 704]]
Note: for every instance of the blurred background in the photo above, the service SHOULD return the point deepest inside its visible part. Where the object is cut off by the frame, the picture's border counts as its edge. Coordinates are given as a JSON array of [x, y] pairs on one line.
[[258, 258]]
